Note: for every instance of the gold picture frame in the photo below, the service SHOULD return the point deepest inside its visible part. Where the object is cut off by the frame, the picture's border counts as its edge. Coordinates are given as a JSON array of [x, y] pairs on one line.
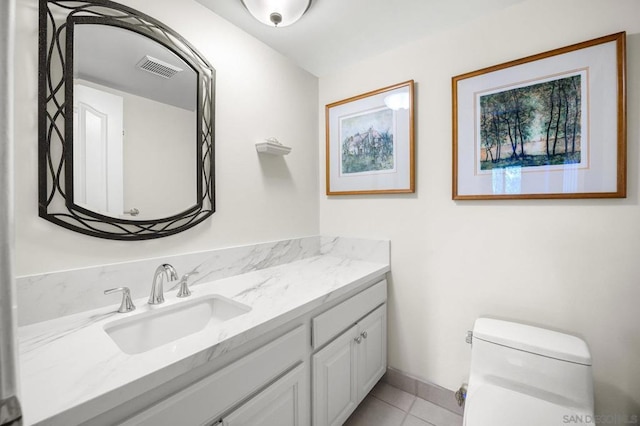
[[552, 125], [370, 142]]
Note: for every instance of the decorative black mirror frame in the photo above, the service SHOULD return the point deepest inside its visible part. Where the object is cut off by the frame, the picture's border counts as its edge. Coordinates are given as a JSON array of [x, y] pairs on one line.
[[55, 115]]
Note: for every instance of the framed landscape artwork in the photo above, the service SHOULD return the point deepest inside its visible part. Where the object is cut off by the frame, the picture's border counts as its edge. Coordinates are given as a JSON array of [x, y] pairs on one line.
[[551, 125], [370, 148]]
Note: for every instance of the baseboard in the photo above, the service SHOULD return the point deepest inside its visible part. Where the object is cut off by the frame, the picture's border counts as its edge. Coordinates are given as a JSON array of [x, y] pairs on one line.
[[435, 394]]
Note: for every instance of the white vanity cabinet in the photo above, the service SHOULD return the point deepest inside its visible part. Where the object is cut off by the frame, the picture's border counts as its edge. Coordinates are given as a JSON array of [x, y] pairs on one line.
[[255, 369], [284, 403], [271, 379], [347, 368], [316, 374]]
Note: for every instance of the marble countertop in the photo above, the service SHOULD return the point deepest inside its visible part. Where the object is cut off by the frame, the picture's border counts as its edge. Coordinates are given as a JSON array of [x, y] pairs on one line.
[[67, 362]]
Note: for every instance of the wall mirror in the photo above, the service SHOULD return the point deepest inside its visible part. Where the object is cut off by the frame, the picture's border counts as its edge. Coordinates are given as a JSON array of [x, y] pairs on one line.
[[126, 123]]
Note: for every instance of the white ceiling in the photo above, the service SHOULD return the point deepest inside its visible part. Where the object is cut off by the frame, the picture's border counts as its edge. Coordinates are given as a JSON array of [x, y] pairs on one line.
[[100, 57], [335, 33]]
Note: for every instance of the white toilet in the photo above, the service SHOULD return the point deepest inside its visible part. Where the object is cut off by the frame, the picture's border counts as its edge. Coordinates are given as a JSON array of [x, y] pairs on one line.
[[527, 376]]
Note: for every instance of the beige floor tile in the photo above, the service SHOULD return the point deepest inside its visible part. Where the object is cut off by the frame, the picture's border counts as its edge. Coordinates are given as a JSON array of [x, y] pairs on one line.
[[434, 414], [373, 412], [414, 421], [393, 396]]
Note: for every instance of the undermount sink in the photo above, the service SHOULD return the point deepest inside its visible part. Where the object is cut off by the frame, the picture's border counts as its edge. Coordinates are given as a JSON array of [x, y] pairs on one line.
[[140, 333]]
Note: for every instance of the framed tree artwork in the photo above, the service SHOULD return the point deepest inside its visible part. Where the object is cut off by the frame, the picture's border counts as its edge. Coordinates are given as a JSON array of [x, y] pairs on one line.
[[370, 147], [551, 125]]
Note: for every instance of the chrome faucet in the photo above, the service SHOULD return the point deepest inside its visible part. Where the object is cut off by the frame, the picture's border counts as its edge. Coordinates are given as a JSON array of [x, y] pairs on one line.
[[157, 291]]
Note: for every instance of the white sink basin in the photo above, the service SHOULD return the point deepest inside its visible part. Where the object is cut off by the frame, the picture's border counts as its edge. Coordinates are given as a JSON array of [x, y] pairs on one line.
[[140, 333]]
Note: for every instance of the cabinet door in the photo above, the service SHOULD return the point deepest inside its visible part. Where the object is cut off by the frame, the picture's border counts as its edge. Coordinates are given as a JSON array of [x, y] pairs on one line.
[[372, 350], [284, 403], [335, 392]]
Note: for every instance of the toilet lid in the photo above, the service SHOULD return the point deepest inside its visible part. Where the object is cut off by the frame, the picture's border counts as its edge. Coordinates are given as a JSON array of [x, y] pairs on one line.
[[496, 406]]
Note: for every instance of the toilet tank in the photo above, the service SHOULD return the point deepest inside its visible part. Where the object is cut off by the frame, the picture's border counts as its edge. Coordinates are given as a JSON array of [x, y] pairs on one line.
[[542, 363]]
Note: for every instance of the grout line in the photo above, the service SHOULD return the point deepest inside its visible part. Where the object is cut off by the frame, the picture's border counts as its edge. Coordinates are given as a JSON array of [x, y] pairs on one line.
[[406, 413], [440, 406], [386, 403], [412, 404], [435, 405], [392, 406], [391, 403]]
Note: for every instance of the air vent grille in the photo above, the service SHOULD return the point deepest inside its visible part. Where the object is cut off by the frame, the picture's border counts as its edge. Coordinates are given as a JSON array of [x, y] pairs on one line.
[[158, 67]]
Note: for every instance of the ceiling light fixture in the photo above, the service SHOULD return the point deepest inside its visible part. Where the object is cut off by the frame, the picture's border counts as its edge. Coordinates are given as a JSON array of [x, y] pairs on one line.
[[277, 13]]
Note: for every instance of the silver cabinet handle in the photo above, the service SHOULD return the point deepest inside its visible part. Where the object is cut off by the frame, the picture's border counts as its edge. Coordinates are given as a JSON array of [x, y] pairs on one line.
[[127, 304], [358, 339], [364, 334]]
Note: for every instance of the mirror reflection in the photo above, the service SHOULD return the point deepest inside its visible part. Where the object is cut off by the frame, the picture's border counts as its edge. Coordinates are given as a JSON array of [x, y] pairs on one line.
[[134, 125], [125, 123]]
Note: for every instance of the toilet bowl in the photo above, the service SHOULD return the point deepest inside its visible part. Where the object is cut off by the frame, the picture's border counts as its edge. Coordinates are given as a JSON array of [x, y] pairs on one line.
[[527, 376]]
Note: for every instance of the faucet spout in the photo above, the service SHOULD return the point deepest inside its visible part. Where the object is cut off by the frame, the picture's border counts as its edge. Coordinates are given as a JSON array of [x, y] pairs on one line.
[[157, 290]]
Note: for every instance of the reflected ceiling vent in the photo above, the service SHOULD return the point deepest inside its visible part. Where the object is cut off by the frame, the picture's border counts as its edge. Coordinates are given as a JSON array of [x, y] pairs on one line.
[[158, 67]]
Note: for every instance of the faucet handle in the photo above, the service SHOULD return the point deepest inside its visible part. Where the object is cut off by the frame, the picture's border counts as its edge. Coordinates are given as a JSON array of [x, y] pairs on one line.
[[184, 284], [127, 304]]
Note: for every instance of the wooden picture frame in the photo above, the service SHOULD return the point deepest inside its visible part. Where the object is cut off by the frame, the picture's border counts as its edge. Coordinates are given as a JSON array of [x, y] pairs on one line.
[[370, 142], [552, 125]]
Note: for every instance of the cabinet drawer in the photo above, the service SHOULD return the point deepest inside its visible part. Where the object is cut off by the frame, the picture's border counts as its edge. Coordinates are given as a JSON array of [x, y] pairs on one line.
[[211, 396], [337, 319]]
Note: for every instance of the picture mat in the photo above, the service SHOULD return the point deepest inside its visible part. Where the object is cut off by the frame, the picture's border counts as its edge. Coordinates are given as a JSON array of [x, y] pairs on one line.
[[381, 181], [601, 62]]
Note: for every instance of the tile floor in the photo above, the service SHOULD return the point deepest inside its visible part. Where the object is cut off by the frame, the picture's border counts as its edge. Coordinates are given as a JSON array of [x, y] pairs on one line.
[[389, 406]]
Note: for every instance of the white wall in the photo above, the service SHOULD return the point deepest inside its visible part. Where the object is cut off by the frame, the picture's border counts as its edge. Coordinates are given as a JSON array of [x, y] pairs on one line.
[[566, 264], [159, 160], [259, 94]]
